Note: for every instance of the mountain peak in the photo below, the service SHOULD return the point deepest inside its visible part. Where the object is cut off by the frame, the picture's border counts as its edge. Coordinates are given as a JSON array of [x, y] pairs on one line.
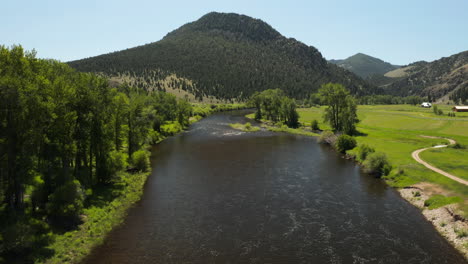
[[231, 24], [365, 65]]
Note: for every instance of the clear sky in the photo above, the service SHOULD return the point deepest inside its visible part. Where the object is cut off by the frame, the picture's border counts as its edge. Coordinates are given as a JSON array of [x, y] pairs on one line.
[[397, 31]]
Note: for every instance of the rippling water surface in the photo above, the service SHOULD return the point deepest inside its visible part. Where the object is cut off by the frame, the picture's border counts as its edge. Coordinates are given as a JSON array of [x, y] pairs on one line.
[[217, 195]]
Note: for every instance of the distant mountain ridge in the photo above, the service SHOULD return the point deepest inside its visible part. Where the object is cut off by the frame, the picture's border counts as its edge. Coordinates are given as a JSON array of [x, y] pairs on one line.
[[364, 65], [443, 78], [226, 56]]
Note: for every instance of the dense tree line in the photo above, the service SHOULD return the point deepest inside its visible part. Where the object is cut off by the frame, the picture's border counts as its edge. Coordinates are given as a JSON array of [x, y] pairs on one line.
[[228, 56], [460, 96], [273, 105], [63, 133], [391, 99]]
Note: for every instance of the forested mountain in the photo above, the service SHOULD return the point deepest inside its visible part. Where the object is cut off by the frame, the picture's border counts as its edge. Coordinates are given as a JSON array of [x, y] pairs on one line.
[[364, 65], [228, 56], [443, 78]]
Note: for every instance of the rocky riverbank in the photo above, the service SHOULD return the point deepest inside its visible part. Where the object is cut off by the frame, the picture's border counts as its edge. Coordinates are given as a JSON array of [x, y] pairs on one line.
[[451, 225]]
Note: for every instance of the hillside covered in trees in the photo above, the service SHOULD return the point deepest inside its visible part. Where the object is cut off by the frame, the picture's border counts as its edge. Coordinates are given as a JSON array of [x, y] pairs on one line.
[[228, 56], [364, 65], [443, 79]]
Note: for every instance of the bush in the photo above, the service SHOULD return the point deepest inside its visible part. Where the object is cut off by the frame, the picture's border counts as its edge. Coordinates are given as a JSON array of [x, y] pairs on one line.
[[66, 204], [248, 126], [140, 160], [344, 143], [154, 137], [327, 137], [457, 146], [171, 128], [314, 125], [461, 233], [117, 161], [363, 151], [377, 163]]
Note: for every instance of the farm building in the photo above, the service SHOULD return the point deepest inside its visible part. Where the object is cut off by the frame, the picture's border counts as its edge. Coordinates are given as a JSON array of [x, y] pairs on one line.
[[460, 108]]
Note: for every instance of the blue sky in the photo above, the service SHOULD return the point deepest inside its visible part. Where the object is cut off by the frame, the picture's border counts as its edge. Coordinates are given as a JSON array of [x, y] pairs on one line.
[[398, 31]]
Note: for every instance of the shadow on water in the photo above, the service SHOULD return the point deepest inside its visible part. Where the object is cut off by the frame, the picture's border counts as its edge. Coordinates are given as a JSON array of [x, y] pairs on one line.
[[218, 195]]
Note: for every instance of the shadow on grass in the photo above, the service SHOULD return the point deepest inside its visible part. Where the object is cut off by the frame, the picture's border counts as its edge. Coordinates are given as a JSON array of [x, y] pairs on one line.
[[360, 134], [103, 194]]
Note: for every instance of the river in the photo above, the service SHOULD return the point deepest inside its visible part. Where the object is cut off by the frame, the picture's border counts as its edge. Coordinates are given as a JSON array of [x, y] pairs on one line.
[[217, 195]]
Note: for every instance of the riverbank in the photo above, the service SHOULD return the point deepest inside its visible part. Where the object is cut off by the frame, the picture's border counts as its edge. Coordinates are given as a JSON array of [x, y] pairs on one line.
[[445, 219], [398, 137], [98, 220], [108, 206]]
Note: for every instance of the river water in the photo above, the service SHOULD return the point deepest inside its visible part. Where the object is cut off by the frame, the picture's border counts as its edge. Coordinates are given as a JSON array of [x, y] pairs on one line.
[[217, 195]]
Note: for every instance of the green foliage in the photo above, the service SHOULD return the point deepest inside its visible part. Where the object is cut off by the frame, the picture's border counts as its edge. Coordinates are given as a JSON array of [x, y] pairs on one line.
[[140, 160], [76, 244], [341, 113], [314, 125], [457, 146], [461, 233], [363, 151], [377, 163], [171, 128], [345, 142], [438, 200], [273, 105], [62, 132], [117, 161], [184, 111], [327, 137], [437, 110], [66, 204], [259, 58]]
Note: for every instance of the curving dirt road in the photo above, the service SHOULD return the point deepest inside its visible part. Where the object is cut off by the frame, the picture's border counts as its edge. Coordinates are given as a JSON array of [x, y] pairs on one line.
[[415, 156]]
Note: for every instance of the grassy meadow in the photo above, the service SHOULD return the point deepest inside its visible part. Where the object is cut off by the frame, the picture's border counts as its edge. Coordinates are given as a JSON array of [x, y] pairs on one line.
[[396, 130]]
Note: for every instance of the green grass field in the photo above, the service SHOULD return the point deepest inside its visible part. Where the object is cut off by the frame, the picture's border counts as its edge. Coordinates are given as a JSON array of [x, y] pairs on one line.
[[453, 161], [396, 130]]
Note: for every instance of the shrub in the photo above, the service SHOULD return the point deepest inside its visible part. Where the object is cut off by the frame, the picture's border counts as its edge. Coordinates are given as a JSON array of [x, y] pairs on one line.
[[248, 126], [140, 160], [344, 143], [117, 161], [66, 203], [327, 137], [363, 151], [154, 137], [377, 163], [315, 125], [461, 233], [457, 146], [171, 128]]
